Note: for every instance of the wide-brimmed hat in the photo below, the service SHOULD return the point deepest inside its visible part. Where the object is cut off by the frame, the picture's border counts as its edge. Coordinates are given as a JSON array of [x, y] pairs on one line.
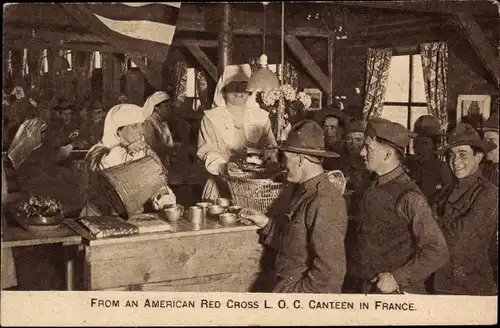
[[96, 104], [393, 133], [427, 126], [355, 126], [491, 123], [465, 134], [306, 137], [332, 111]]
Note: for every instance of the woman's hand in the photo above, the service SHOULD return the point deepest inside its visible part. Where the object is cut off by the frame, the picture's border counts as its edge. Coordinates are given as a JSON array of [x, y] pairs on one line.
[[136, 146], [258, 218], [232, 169]]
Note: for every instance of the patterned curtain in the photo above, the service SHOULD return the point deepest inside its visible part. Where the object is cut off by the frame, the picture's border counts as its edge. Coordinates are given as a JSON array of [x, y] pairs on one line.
[[254, 64], [201, 89], [435, 67], [378, 62], [180, 82]]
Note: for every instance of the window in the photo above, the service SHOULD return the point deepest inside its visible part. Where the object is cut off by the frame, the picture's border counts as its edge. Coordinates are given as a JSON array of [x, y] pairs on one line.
[[405, 98], [25, 62], [67, 55], [45, 62], [191, 90], [97, 59]]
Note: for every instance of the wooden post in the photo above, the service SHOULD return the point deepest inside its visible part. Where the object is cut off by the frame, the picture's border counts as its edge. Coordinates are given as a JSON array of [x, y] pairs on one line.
[[331, 61], [225, 38]]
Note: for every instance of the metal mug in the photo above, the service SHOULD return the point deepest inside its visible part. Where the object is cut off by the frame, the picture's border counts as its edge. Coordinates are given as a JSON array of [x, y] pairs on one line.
[[224, 202], [204, 206], [195, 214]]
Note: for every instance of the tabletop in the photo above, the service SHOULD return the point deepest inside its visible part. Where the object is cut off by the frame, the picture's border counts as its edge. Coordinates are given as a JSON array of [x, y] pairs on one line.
[[181, 228], [20, 237]]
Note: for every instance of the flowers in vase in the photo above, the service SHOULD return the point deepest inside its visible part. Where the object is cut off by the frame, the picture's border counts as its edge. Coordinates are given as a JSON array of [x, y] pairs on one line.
[[290, 95]]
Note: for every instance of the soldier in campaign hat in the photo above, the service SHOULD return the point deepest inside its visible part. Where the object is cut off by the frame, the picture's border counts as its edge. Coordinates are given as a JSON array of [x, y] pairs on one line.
[[425, 168], [333, 120], [394, 244], [489, 167], [308, 229], [468, 216]]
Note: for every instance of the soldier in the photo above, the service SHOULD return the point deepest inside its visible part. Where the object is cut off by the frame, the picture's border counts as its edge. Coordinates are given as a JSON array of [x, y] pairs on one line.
[[333, 121], [489, 167], [468, 217], [396, 243], [425, 168], [308, 232]]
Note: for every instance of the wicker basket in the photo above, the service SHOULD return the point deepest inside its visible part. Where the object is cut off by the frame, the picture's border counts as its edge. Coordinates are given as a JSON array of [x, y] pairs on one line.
[[254, 190]]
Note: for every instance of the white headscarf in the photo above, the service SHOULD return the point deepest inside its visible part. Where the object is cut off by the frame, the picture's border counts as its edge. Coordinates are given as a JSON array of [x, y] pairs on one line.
[[232, 73], [118, 116], [153, 100]]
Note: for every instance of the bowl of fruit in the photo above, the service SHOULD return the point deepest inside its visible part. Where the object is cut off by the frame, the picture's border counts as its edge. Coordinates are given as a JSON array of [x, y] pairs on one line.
[[40, 211]]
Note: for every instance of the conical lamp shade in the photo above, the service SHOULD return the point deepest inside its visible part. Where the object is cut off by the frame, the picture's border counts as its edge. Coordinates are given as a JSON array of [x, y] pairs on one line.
[[263, 80]]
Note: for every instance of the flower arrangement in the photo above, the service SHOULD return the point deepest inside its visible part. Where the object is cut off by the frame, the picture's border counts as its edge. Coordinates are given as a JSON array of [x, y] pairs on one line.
[[290, 95], [295, 103]]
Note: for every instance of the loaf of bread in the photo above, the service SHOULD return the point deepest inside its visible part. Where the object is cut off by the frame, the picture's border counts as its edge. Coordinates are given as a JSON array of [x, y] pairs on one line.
[[107, 226]]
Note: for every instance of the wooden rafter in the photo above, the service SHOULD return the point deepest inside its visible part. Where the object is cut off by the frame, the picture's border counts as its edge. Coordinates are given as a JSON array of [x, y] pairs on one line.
[[480, 43], [478, 7], [202, 59], [310, 65]]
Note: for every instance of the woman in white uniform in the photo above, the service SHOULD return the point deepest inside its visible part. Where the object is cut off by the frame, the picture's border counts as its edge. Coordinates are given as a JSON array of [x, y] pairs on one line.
[[122, 142], [233, 125]]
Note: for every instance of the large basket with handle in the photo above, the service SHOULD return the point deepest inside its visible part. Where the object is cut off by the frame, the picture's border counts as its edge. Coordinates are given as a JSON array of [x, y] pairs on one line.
[[254, 190]]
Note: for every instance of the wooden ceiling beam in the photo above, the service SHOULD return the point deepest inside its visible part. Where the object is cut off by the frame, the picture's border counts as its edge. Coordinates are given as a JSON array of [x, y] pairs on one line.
[[202, 59], [479, 43], [310, 65], [475, 7]]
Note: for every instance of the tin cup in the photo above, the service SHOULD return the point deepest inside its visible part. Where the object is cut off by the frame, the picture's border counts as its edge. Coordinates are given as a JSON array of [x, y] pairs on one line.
[[195, 214], [204, 206], [224, 202]]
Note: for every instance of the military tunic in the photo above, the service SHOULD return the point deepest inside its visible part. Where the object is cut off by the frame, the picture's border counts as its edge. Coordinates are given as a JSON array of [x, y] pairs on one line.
[[469, 220], [490, 171], [395, 232], [430, 175], [308, 237]]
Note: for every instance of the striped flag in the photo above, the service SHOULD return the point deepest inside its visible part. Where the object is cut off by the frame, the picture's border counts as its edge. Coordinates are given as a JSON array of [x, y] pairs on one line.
[[143, 28]]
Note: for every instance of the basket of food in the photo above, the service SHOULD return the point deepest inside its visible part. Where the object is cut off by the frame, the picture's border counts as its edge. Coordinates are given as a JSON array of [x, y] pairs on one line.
[[256, 187], [39, 212]]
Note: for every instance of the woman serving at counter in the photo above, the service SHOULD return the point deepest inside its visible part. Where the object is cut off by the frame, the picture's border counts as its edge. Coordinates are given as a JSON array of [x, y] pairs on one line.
[[233, 125], [122, 142]]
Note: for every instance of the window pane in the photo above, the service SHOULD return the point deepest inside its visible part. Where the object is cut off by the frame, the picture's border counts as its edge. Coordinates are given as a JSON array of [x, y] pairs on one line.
[[398, 114], [418, 87], [416, 112], [190, 83], [399, 79]]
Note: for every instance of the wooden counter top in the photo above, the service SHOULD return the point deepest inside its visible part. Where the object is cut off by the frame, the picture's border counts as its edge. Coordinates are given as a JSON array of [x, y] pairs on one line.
[[19, 237], [182, 228]]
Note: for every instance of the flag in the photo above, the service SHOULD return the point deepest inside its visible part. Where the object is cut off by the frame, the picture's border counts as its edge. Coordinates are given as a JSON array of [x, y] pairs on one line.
[[146, 28]]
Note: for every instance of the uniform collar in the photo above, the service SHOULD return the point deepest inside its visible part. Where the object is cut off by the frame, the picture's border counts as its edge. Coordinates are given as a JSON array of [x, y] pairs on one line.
[[390, 176], [466, 182]]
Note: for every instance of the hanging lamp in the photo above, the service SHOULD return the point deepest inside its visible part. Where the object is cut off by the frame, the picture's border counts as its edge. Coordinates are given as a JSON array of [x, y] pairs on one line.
[[264, 79]]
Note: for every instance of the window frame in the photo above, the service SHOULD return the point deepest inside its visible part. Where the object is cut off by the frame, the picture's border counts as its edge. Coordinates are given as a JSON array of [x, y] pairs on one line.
[[407, 51]]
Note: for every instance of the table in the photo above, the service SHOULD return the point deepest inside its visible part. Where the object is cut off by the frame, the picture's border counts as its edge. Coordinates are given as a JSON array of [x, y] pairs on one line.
[[20, 237], [194, 257]]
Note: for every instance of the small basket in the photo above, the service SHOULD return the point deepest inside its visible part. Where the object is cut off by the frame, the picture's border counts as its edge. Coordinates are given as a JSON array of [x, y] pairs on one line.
[[254, 190]]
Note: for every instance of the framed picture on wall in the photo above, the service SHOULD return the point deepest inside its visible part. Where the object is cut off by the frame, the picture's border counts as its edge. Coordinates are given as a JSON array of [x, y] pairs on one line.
[[316, 97], [473, 105]]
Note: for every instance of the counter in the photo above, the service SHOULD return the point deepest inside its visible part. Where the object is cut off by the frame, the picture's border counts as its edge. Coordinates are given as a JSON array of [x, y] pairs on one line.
[[205, 257]]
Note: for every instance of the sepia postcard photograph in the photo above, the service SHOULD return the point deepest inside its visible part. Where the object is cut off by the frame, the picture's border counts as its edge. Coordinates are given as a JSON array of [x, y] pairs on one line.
[[329, 163]]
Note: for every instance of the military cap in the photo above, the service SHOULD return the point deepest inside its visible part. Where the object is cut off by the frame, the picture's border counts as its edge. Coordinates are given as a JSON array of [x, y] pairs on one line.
[[465, 134], [332, 111], [306, 137], [393, 133], [491, 123], [427, 126], [356, 126]]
